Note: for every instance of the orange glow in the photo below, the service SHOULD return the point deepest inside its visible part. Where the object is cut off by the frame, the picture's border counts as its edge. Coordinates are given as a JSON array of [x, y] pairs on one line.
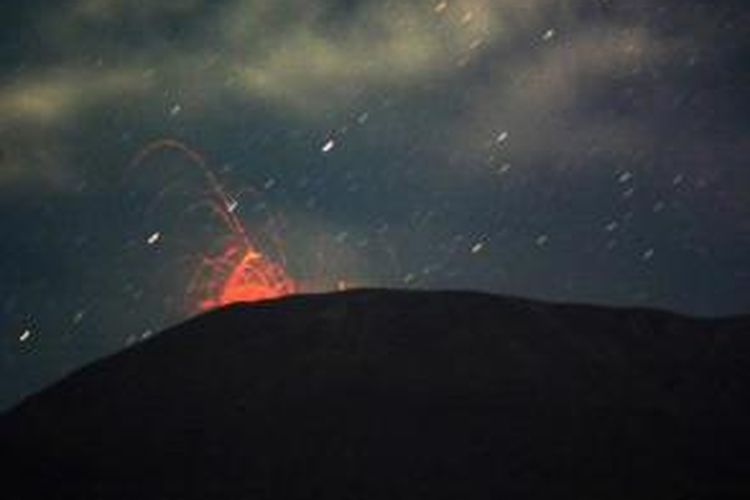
[[243, 275], [240, 271]]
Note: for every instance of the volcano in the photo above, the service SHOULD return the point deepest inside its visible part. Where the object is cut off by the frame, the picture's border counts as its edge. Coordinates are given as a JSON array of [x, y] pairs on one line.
[[376, 394]]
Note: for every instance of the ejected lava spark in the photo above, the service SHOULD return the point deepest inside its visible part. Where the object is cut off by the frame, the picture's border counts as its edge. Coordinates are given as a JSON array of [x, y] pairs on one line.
[[240, 271]]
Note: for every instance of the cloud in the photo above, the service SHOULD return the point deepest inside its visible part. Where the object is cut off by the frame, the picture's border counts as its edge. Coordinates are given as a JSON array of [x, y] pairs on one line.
[[301, 56], [36, 110], [314, 61], [309, 59], [46, 97], [114, 10], [304, 58], [569, 98]]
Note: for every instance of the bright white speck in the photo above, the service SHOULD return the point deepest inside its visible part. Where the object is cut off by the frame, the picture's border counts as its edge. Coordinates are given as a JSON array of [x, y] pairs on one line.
[[146, 334], [79, 316], [26, 335], [549, 35], [475, 44], [409, 278], [441, 7], [648, 254], [341, 237], [477, 248], [542, 240], [504, 168], [232, 206], [625, 177], [328, 146], [175, 110], [502, 137], [362, 119], [154, 238]]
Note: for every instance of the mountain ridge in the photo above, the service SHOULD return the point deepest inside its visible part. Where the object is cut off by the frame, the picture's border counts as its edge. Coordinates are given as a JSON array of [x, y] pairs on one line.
[[401, 394]]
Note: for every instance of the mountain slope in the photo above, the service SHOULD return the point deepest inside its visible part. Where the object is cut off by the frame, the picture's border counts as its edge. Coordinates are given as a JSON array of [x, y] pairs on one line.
[[386, 394]]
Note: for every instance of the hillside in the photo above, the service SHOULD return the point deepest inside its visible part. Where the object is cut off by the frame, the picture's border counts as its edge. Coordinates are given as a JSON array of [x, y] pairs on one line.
[[399, 395]]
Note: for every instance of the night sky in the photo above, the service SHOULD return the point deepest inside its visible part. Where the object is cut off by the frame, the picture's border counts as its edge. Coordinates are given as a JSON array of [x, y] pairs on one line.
[[570, 150]]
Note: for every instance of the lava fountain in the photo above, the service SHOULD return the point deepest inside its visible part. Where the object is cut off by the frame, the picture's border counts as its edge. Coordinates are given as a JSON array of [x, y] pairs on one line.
[[240, 271]]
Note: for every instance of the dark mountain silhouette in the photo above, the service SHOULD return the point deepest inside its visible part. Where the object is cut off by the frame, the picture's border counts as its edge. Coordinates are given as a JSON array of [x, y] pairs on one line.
[[399, 395]]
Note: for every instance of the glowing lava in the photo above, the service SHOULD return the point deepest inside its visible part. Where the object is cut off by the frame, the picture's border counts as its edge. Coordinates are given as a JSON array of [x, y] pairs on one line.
[[244, 275], [240, 271]]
